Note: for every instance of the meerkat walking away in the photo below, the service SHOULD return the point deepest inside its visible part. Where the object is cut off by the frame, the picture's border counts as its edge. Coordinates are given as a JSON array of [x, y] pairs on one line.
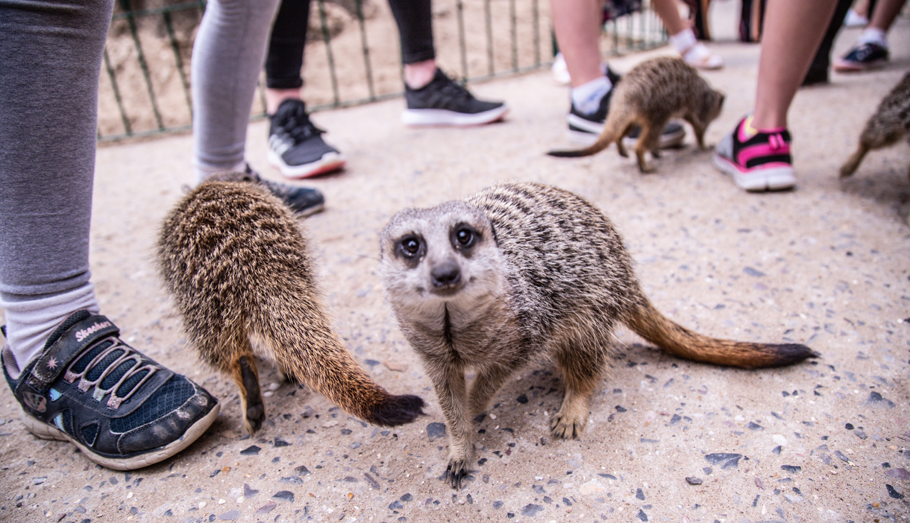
[[236, 263], [523, 271], [889, 125], [652, 93]]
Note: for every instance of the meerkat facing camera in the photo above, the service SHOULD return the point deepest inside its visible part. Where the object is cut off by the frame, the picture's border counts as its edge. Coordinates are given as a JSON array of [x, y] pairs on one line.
[[524, 271], [236, 263]]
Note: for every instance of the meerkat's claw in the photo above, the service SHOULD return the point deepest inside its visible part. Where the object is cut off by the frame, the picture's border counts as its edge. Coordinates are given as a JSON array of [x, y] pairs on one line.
[[456, 472], [563, 428]]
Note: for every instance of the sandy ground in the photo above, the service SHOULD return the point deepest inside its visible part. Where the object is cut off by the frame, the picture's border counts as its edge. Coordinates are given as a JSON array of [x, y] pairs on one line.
[[827, 265]]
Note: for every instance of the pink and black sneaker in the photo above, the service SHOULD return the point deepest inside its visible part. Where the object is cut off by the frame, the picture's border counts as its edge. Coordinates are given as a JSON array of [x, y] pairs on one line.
[[758, 160]]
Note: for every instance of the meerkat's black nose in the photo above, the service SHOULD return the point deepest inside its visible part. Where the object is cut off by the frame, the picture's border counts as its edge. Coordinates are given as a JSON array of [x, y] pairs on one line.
[[445, 274]]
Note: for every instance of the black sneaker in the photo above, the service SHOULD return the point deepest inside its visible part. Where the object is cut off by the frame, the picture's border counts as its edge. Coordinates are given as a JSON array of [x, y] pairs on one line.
[[120, 408], [862, 57], [304, 201], [444, 102], [296, 147], [585, 128]]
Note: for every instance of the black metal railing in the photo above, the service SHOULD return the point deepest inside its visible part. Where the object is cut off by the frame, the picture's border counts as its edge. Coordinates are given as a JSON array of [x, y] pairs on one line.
[[352, 56]]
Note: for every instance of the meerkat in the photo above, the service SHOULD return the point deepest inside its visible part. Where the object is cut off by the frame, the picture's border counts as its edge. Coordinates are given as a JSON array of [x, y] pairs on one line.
[[649, 95], [236, 263], [519, 272], [889, 125]]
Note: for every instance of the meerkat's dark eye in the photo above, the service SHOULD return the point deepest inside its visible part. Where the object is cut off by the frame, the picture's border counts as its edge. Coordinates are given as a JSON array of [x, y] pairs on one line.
[[464, 237], [409, 246]]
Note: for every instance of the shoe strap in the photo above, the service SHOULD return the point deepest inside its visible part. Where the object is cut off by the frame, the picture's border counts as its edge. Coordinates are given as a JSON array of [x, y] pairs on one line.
[[57, 358]]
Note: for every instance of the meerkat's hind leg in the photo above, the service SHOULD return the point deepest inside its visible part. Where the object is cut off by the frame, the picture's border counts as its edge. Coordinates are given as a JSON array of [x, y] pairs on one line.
[[699, 131], [244, 372], [582, 368], [649, 141], [620, 147]]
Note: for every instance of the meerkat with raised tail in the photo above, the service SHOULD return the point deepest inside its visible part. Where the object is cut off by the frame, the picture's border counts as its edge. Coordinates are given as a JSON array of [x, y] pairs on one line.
[[518, 272], [236, 263], [889, 125], [649, 95]]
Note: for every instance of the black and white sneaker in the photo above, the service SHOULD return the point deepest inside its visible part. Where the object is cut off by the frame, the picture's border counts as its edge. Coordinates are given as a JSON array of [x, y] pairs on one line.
[[304, 201], [444, 102], [584, 129], [119, 407], [296, 146]]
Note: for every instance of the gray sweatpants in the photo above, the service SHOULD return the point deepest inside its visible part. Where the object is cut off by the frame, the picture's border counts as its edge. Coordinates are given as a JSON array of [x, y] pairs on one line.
[[50, 59], [228, 57]]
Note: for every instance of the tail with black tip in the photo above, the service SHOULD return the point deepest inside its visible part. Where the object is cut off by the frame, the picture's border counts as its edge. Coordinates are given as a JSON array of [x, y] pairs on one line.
[[653, 326], [236, 262], [319, 360]]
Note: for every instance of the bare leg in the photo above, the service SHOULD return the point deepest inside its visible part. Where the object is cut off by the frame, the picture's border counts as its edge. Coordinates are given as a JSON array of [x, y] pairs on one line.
[[577, 27], [885, 13], [793, 31], [668, 12]]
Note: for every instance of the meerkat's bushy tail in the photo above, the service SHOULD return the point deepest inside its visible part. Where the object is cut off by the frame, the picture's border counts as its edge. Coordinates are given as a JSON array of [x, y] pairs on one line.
[[653, 326], [236, 263]]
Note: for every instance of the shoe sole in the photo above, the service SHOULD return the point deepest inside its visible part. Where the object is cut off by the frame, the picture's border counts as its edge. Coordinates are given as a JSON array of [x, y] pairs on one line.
[[854, 67], [310, 210], [443, 117], [45, 431], [758, 180], [329, 162], [667, 141]]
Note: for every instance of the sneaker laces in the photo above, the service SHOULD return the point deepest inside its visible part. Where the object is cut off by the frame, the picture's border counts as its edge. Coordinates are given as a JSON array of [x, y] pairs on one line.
[[454, 91], [298, 126], [111, 367]]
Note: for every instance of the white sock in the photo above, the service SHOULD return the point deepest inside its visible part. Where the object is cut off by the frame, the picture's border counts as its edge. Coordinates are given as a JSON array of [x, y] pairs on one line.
[[873, 35], [586, 97], [683, 40], [30, 323], [203, 171]]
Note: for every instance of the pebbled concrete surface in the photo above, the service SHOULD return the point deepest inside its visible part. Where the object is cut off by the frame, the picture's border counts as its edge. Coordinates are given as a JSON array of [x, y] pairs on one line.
[[667, 440]]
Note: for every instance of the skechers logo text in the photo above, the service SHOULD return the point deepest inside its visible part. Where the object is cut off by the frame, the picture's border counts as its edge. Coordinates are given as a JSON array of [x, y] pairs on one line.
[[84, 333]]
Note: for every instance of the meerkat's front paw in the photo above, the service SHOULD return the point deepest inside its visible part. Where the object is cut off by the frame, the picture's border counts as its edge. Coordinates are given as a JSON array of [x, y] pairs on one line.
[[566, 427], [456, 472]]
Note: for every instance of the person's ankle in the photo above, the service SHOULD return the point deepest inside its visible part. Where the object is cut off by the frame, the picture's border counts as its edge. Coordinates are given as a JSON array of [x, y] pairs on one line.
[[274, 97], [418, 75], [873, 35]]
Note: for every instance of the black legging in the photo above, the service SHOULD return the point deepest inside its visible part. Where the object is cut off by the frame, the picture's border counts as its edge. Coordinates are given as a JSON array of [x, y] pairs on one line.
[[285, 56]]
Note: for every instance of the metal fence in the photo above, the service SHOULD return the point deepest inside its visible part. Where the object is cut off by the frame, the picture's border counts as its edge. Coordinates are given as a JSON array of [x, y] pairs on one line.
[[352, 56]]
